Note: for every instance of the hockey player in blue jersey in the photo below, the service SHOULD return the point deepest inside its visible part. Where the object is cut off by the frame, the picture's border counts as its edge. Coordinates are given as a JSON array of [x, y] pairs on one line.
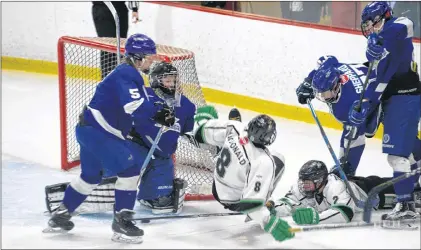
[[340, 86], [119, 101], [158, 190], [398, 88]]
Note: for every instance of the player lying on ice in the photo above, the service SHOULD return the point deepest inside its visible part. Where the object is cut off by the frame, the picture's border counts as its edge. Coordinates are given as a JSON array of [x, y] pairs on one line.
[[321, 197], [340, 85]]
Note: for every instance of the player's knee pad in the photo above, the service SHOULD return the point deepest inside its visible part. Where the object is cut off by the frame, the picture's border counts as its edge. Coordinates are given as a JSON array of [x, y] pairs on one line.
[[84, 184], [127, 183], [399, 163]]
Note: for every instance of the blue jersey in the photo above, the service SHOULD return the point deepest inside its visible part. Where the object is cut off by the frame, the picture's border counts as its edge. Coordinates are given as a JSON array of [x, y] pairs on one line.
[[396, 70], [148, 129], [352, 80], [116, 100]]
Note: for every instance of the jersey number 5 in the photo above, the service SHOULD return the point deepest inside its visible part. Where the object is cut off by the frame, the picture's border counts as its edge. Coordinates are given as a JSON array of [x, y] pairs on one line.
[[134, 93], [223, 162]]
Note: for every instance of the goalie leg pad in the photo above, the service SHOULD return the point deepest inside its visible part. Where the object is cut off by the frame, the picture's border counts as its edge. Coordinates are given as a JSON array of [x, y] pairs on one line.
[[157, 179], [172, 203]]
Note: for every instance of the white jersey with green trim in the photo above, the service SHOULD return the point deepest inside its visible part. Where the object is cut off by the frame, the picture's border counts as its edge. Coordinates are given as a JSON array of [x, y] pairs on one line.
[[334, 204], [244, 173]]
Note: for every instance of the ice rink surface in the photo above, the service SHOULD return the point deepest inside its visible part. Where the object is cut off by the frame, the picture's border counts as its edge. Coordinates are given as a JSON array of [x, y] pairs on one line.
[[31, 160]]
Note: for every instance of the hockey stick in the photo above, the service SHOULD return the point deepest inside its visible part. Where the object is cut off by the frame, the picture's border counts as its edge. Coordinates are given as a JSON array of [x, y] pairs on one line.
[[377, 189], [117, 25], [148, 219], [382, 224], [357, 108], [359, 203]]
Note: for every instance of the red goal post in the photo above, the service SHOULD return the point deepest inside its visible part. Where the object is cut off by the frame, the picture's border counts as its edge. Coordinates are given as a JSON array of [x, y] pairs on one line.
[[80, 62]]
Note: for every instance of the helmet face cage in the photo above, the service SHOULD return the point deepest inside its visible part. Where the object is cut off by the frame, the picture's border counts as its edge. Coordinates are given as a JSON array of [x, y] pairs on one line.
[[309, 187], [312, 176], [165, 82]]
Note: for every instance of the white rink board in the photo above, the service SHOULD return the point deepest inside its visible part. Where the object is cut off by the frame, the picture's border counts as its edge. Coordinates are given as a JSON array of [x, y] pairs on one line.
[[242, 56]]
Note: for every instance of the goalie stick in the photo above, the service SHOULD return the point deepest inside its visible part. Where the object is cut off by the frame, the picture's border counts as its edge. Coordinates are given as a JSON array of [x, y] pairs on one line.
[[149, 219], [377, 189]]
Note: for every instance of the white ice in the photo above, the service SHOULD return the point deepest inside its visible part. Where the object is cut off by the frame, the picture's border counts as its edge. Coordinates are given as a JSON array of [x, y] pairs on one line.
[[31, 160]]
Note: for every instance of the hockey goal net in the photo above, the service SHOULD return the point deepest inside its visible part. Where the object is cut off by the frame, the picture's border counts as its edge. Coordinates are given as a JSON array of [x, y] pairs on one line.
[[82, 62]]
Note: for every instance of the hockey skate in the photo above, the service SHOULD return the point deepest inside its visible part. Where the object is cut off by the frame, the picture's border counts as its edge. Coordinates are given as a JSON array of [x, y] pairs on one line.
[[124, 228], [403, 211], [60, 221], [234, 114]]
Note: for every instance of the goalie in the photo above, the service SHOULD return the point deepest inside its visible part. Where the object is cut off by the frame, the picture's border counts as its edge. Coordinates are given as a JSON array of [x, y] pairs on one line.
[[246, 172]]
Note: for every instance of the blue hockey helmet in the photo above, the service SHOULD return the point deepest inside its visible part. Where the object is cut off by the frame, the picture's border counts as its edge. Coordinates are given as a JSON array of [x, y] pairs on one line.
[[326, 83], [374, 16], [139, 45]]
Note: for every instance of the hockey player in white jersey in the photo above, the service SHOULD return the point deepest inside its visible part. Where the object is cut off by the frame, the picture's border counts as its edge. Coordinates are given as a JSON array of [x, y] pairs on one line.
[[319, 197], [246, 171], [322, 197]]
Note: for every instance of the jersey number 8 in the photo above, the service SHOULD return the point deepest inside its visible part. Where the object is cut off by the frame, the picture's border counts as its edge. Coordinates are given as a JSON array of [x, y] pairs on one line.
[[223, 162]]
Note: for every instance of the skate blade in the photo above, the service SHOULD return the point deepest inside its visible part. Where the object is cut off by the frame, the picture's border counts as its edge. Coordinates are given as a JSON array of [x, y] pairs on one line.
[[117, 237], [50, 230]]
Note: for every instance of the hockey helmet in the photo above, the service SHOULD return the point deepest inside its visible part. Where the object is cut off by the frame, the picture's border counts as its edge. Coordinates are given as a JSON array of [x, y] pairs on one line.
[[374, 16], [139, 45], [163, 78], [261, 130], [311, 177], [326, 83]]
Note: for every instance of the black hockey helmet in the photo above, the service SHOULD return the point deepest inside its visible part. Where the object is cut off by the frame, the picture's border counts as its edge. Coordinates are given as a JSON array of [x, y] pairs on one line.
[[158, 77], [311, 177], [261, 130]]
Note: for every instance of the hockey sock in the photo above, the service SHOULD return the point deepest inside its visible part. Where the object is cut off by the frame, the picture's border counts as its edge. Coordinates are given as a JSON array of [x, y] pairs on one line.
[[404, 188], [126, 189], [78, 190]]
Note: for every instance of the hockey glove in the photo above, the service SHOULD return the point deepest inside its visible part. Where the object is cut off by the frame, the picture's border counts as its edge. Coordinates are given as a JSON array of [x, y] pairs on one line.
[[204, 114], [374, 50], [278, 228], [306, 215], [357, 117], [305, 91], [164, 116]]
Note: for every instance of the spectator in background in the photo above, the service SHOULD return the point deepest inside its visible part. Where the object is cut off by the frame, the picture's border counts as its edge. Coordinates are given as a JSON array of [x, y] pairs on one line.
[[302, 11], [214, 4], [105, 27]]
